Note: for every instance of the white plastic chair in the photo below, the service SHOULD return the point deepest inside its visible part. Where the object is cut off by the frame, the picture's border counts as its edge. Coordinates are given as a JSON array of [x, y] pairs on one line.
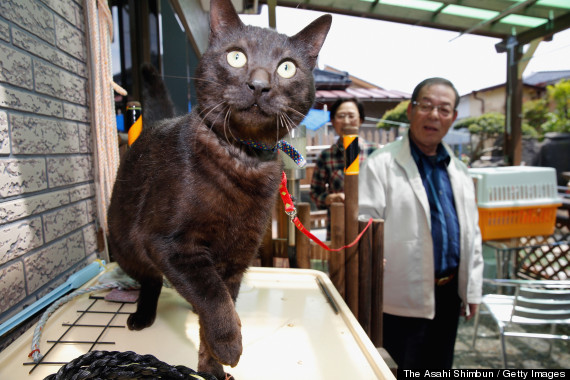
[[535, 302]]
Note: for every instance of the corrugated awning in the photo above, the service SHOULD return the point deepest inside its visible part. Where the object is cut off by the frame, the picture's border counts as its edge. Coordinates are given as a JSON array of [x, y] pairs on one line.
[[362, 94], [525, 19]]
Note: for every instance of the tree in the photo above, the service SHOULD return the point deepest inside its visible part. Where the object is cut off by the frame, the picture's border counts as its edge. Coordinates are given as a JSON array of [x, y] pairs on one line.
[[486, 127], [395, 117], [559, 119], [535, 114]]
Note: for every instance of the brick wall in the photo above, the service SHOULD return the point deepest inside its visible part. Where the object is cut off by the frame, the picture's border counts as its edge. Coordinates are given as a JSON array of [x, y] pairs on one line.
[[47, 204]]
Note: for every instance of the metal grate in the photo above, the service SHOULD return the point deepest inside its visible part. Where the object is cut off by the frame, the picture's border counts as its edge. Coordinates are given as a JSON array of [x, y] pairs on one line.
[[96, 318], [549, 261]]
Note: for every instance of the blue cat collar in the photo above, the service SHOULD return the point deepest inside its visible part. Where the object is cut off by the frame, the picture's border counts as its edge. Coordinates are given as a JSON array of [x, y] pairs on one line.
[[281, 145]]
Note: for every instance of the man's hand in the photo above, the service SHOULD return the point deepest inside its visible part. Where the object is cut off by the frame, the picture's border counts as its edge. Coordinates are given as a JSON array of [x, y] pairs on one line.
[[472, 311]]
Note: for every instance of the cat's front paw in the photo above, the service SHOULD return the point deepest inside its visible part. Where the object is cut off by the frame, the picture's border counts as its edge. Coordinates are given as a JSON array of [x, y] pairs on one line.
[[228, 351], [138, 321], [225, 341]]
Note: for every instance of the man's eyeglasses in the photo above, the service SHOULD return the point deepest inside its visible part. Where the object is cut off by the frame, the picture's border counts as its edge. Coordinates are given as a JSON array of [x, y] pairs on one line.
[[444, 110], [342, 116]]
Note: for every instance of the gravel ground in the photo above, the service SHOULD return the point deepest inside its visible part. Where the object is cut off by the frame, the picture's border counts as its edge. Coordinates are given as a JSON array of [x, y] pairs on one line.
[[521, 352]]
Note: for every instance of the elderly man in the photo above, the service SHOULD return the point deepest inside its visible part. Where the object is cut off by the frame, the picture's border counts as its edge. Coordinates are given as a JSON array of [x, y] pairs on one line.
[[432, 241]]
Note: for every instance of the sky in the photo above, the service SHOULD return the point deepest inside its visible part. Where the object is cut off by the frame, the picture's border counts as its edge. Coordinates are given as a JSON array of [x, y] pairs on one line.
[[397, 56]]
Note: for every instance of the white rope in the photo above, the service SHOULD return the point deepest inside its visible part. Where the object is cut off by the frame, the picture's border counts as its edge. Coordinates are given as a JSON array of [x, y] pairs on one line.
[[100, 30]]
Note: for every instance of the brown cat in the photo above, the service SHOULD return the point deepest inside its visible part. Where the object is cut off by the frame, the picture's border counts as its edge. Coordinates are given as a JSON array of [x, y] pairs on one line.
[[191, 202]]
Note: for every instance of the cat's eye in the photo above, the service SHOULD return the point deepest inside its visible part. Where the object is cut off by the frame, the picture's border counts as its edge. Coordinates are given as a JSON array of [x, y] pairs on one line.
[[237, 58], [287, 69]]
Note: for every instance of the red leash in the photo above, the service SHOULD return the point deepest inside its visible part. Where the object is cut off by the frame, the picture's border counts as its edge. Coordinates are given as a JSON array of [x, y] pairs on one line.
[[292, 212]]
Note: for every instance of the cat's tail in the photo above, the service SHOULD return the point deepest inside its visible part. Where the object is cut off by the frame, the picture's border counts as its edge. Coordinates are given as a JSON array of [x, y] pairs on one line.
[[156, 102]]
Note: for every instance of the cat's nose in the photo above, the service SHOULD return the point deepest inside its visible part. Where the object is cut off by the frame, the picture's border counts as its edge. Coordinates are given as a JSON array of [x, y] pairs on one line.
[[259, 82]]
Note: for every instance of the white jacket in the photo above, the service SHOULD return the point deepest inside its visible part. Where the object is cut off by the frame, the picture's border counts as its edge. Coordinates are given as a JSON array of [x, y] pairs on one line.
[[390, 188]]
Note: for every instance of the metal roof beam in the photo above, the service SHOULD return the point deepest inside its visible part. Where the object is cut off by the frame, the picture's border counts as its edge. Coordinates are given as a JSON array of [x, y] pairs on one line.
[[438, 18], [510, 10], [536, 10], [397, 14], [499, 25], [545, 30]]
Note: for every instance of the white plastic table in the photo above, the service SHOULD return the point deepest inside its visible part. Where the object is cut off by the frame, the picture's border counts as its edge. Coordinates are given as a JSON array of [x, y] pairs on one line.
[[295, 325]]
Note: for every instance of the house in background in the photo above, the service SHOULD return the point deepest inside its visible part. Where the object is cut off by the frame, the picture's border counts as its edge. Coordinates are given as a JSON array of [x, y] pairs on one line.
[[493, 99], [545, 78], [332, 84]]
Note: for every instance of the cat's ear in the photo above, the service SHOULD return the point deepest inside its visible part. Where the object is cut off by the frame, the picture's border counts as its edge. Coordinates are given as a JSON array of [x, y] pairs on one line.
[[313, 36], [223, 16]]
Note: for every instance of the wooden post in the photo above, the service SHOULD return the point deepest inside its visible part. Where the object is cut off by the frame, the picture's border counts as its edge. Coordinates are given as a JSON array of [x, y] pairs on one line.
[[320, 258], [365, 253], [377, 284], [513, 104], [337, 259], [282, 221], [280, 258], [266, 250], [351, 169], [302, 243]]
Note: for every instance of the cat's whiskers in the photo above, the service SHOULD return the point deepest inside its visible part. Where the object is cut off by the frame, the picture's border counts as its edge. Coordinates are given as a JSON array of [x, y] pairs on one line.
[[288, 118], [194, 78], [279, 119], [205, 113], [210, 110], [226, 112], [226, 126], [283, 124], [289, 124], [297, 112]]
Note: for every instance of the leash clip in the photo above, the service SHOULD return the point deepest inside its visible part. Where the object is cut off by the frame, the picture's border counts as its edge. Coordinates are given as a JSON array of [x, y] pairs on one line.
[[292, 214]]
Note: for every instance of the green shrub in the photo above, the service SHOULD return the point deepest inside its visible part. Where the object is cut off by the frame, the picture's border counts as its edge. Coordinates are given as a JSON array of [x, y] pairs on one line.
[[397, 114], [559, 119]]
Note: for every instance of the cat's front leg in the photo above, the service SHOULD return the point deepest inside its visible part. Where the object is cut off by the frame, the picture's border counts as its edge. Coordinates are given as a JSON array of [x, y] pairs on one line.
[[203, 287], [139, 268], [207, 362], [221, 331], [146, 308]]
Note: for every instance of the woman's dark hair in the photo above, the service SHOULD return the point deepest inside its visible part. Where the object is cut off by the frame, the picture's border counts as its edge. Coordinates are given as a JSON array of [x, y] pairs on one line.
[[430, 81], [339, 101]]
